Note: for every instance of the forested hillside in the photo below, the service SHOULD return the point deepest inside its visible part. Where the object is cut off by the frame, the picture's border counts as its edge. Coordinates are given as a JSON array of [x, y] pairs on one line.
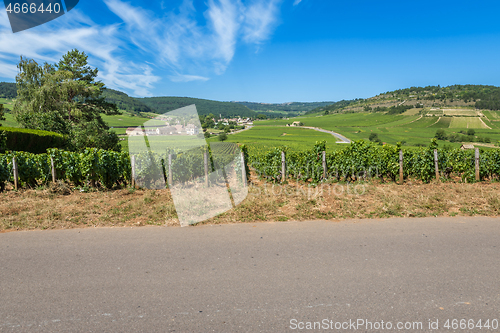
[[204, 106], [334, 106], [8, 90], [125, 102], [478, 96], [294, 107]]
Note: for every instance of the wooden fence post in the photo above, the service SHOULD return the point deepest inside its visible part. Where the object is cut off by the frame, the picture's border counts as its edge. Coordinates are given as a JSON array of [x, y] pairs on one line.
[[170, 176], [16, 173], [205, 159], [324, 165], [283, 166], [53, 169], [243, 169], [436, 163], [477, 165], [132, 162], [401, 167]]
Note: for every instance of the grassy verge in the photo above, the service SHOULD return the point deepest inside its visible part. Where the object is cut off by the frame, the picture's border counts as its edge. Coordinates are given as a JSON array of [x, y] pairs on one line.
[[265, 202]]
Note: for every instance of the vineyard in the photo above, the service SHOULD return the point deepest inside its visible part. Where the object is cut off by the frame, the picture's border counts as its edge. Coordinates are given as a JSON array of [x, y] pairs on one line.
[[357, 161], [361, 161], [101, 168]]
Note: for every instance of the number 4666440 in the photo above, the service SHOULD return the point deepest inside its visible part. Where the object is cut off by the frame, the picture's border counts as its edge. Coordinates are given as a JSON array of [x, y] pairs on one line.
[[32, 8]]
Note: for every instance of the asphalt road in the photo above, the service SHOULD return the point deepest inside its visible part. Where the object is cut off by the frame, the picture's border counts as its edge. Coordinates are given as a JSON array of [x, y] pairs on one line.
[[342, 138], [263, 277]]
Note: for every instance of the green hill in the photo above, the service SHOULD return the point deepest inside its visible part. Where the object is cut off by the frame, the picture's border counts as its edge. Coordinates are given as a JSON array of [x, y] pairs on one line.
[[455, 96], [8, 90], [125, 102], [204, 106], [283, 109]]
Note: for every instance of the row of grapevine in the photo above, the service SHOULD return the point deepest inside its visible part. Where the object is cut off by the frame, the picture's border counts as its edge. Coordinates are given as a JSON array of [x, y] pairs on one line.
[[92, 165], [361, 160], [106, 168]]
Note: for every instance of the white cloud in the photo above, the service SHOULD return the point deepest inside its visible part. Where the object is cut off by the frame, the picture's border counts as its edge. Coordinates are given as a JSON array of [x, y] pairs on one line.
[[194, 48], [188, 46], [296, 2], [187, 78], [260, 19], [74, 30]]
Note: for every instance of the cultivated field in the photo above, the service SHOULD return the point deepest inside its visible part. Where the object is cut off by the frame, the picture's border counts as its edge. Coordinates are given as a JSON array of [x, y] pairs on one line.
[[467, 122]]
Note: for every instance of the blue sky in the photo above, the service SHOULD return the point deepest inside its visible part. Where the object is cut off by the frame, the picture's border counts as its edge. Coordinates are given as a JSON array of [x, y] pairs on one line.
[[269, 51]]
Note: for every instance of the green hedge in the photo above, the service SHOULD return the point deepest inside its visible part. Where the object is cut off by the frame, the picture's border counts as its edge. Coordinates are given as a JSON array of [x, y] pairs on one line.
[[33, 141]]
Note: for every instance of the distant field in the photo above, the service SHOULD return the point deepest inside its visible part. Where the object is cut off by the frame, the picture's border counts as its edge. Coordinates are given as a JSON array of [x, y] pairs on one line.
[[444, 122], [9, 122], [466, 122], [295, 138], [458, 112], [7, 103]]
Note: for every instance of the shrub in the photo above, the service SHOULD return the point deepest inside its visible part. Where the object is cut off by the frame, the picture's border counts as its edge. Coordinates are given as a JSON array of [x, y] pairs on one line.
[[33, 141]]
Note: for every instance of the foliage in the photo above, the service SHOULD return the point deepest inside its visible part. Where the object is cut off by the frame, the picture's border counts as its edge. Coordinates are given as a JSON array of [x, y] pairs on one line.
[[2, 114], [8, 90], [222, 136], [64, 98], [3, 142], [34, 141], [203, 106], [334, 107], [124, 101], [361, 160]]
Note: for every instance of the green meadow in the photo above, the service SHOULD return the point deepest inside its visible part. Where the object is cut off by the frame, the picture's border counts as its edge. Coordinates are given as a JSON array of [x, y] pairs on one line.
[[411, 129], [267, 137]]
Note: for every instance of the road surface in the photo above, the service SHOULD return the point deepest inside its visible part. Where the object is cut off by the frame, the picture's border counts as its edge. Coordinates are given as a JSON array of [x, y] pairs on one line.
[[342, 138], [262, 277]]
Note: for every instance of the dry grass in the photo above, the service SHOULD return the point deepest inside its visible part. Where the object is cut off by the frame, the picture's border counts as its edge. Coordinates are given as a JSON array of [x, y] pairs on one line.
[[51, 208]]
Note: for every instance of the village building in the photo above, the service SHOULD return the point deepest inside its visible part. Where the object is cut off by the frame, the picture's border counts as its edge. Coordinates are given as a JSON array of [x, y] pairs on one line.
[[467, 146]]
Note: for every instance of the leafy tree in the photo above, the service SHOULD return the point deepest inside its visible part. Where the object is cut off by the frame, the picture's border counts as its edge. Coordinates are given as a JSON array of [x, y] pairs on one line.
[[471, 132], [373, 137], [206, 134], [1, 113], [222, 136], [65, 98], [261, 116]]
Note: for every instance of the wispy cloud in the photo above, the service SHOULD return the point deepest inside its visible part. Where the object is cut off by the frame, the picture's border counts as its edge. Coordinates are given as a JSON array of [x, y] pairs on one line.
[[181, 44], [187, 78], [296, 2], [193, 47], [74, 30]]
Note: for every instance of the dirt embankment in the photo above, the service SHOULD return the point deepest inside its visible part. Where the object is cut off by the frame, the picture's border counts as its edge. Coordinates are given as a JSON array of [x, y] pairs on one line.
[[44, 209]]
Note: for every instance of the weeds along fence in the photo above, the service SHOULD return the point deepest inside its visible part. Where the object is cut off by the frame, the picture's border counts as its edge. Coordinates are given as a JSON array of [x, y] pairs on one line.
[[364, 160]]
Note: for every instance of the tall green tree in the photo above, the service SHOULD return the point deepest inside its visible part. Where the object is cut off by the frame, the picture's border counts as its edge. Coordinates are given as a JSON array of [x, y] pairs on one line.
[[1, 113], [65, 98]]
